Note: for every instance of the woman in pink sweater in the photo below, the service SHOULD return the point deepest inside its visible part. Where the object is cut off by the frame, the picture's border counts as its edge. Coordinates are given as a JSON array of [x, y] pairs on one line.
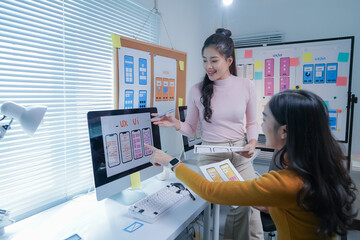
[[220, 103], [311, 197]]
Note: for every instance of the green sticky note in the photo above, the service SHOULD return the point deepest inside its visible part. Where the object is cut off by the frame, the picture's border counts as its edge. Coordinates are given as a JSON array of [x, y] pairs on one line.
[[307, 57], [116, 40], [181, 65], [326, 103], [258, 76], [343, 57], [135, 180]]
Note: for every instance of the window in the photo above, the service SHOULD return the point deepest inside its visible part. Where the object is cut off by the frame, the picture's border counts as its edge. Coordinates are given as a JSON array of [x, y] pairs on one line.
[[58, 53]]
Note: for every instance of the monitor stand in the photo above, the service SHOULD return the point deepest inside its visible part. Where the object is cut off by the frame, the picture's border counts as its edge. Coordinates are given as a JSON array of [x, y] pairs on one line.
[[188, 155], [129, 196]]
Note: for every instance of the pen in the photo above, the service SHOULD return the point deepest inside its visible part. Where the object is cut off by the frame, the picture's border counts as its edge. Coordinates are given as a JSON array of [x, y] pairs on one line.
[[161, 115]]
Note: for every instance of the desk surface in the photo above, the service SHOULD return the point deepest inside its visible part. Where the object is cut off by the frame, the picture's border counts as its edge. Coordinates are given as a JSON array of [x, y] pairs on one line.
[[93, 220]]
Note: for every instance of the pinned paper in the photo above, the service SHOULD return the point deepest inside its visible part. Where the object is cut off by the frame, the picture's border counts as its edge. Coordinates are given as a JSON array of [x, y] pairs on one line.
[[343, 57], [294, 62], [181, 65], [307, 57], [180, 102], [116, 40], [248, 54], [258, 65], [135, 180], [297, 87], [341, 81], [258, 76]]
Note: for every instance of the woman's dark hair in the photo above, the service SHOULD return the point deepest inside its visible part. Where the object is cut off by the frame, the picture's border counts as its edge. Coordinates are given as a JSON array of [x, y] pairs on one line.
[[222, 42], [313, 153]]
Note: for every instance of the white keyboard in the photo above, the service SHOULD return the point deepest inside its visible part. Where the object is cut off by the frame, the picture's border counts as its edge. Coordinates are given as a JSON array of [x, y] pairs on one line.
[[155, 205]]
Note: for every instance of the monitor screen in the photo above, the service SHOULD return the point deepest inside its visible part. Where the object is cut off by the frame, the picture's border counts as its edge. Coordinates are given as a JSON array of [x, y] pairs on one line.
[[117, 140], [189, 142]]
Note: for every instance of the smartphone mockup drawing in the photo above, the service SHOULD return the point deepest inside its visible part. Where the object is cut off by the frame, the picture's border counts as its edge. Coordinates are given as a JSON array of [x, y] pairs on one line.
[[320, 73], [285, 66], [146, 132], [142, 98], [331, 72], [229, 172], [171, 89], [158, 89], [125, 145], [215, 176], [284, 83], [308, 75], [165, 96], [269, 87], [112, 150], [136, 143], [129, 99], [269, 67], [250, 71], [129, 69], [333, 119], [142, 71]]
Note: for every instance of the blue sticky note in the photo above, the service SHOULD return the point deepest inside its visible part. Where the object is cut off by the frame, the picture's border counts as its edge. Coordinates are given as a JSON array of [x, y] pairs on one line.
[[343, 57], [258, 76], [133, 227]]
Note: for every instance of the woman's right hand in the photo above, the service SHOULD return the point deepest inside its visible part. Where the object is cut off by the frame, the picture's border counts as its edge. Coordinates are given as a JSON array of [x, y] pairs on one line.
[[168, 120]]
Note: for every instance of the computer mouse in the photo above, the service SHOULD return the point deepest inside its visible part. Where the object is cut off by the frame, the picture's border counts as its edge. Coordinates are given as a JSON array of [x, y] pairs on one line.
[[178, 185]]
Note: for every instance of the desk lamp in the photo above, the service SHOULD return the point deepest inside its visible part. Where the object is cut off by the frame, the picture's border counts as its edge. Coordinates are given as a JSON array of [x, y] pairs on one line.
[[30, 119]]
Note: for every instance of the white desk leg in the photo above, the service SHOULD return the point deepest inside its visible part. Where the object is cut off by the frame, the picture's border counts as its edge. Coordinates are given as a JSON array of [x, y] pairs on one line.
[[216, 221], [207, 216]]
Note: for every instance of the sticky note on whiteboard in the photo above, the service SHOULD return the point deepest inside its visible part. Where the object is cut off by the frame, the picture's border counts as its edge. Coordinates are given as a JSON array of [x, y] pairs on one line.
[[307, 57]]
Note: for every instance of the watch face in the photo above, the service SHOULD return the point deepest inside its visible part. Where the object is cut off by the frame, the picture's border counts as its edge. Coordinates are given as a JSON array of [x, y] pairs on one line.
[[174, 161]]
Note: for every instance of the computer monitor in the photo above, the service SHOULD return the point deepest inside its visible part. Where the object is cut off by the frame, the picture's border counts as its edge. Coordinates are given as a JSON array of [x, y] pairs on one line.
[[189, 142], [117, 140]]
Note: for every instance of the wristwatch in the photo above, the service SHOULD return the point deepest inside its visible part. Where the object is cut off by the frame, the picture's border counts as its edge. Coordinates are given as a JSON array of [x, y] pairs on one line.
[[174, 162]]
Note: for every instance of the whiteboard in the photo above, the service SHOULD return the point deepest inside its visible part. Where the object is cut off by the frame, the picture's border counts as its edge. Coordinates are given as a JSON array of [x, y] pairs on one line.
[[322, 66]]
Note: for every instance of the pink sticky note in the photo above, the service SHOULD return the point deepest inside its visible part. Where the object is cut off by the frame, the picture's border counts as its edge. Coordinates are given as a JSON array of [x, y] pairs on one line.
[[341, 81], [294, 62], [248, 54]]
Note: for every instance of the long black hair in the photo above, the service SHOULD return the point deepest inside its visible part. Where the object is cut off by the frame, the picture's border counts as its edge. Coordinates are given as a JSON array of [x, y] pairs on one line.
[[314, 154], [222, 42]]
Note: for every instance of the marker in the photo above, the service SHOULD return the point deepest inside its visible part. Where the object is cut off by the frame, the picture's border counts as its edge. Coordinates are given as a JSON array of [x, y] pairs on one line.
[[161, 115]]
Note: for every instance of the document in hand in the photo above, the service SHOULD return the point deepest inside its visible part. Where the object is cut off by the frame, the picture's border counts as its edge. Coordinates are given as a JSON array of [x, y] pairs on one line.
[[217, 149], [221, 171]]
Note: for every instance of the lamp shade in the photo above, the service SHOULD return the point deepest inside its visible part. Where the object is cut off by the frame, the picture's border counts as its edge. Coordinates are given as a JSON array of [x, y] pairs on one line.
[[29, 117]]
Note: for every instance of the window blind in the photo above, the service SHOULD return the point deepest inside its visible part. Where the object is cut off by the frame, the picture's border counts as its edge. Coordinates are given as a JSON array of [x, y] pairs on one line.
[[58, 53]]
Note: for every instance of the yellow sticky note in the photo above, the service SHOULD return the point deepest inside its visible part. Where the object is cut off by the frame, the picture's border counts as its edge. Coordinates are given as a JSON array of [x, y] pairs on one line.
[[135, 180], [181, 65], [307, 57], [258, 65], [116, 40], [180, 102]]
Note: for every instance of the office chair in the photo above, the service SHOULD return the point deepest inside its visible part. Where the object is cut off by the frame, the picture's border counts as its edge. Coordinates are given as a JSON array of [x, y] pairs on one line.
[[268, 224], [266, 220]]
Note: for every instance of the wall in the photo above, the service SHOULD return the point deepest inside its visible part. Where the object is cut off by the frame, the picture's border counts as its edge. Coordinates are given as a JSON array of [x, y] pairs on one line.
[[189, 23]]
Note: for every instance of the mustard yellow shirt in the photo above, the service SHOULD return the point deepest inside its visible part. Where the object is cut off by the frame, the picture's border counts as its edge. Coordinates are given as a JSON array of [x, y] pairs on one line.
[[277, 190]]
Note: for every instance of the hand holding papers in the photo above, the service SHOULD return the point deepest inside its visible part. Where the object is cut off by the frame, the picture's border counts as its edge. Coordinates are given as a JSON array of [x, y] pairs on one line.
[[221, 171], [218, 149]]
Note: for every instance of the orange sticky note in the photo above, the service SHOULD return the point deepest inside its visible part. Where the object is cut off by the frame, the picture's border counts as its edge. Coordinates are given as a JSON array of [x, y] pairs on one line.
[[294, 62], [248, 54], [341, 81]]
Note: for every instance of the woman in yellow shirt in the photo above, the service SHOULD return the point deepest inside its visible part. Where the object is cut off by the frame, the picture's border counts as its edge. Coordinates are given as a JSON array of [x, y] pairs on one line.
[[311, 196]]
